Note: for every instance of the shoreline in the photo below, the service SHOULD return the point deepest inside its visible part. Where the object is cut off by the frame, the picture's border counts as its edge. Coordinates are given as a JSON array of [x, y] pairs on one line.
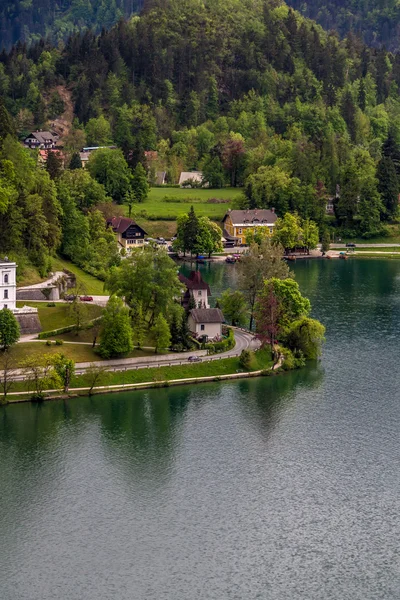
[[15, 397]]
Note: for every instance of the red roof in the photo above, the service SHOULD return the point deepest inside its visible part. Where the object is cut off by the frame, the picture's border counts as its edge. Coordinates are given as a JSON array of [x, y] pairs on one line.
[[195, 282], [120, 224]]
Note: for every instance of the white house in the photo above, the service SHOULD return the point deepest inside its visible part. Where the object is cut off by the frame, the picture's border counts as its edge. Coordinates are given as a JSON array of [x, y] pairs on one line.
[[206, 321], [186, 177], [8, 284], [41, 139]]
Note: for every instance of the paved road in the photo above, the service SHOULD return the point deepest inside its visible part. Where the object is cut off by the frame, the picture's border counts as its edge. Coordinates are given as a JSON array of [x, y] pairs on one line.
[[343, 245], [243, 341]]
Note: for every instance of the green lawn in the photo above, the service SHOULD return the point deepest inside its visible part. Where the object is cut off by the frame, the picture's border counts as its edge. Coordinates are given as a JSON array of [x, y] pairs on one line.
[[168, 203], [55, 317], [91, 284]]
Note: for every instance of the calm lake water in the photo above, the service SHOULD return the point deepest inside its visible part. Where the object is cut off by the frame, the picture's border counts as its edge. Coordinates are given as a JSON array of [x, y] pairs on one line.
[[285, 488]]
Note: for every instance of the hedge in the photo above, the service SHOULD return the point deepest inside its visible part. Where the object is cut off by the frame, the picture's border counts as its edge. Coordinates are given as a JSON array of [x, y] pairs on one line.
[[226, 344], [45, 334]]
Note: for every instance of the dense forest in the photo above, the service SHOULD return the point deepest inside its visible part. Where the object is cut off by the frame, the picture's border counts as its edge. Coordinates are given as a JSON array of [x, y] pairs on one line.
[[29, 20], [377, 23], [250, 92]]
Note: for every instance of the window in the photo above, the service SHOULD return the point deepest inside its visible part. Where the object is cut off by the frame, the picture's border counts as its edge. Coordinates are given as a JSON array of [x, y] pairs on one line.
[[6, 306], [240, 230], [5, 278], [199, 292], [5, 294], [240, 241], [202, 327]]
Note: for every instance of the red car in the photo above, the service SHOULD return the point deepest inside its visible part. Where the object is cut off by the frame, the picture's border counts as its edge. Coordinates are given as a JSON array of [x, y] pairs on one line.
[[86, 298]]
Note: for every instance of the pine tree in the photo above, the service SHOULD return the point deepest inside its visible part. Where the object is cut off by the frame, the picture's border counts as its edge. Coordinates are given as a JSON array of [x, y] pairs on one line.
[[6, 123], [191, 230], [140, 186], [349, 113], [388, 186], [362, 97], [54, 164], [75, 162], [390, 149]]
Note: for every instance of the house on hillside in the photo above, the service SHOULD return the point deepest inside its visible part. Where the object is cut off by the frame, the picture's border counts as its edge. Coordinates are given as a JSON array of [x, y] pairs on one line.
[[129, 234], [197, 290], [43, 140], [43, 154], [238, 222], [206, 321], [190, 179]]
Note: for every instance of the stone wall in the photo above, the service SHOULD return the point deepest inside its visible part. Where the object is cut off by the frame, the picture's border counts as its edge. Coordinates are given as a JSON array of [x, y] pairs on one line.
[[28, 320]]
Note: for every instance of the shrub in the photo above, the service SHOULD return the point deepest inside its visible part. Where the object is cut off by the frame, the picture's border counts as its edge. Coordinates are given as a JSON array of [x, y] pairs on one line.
[[59, 342], [51, 304], [247, 360], [292, 360], [226, 344], [48, 343]]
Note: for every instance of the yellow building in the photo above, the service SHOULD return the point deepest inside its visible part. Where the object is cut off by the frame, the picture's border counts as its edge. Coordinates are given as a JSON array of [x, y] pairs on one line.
[[238, 222], [129, 234]]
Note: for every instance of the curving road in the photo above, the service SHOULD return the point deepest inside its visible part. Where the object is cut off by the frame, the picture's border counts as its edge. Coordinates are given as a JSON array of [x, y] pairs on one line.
[[243, 340]]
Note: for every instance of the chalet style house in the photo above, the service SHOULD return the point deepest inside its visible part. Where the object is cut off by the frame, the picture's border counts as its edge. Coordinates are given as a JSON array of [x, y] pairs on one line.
[[129, 234], [238, 222], [206, 322], [197, 291], [42, 140]]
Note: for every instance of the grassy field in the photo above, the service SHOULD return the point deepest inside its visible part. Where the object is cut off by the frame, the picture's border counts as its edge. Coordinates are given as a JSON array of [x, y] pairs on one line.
[[91, 284], [55, 317], [172, 202]]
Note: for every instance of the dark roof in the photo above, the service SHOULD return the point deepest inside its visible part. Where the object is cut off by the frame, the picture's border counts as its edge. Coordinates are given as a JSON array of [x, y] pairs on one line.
[[122, 224], [257, 215], [43, 136], [207, 315], [228, 236], [195, 282]]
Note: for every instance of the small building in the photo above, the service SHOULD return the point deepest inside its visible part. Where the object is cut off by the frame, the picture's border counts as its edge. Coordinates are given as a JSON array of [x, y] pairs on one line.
[[84, 156], [27, 317], [206, 321], [8, 284], [238, 222], [191, 179], [42, 140], [129, 234], [196, 289]]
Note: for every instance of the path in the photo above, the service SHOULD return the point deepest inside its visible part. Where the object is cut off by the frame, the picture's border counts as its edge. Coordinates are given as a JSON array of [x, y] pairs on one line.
[[243, 340], [44, 284]]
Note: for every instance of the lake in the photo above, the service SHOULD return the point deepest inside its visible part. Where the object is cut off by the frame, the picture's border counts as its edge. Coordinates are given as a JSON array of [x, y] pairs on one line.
[[283, 488]]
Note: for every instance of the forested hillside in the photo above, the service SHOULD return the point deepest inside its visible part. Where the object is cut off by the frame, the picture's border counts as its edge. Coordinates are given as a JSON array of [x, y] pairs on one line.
[[251, 93], [376, 22], [28, 20]]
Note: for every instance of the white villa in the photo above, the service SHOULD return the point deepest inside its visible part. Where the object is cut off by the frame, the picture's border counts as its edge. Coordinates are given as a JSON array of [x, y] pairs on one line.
[[8, 284], [27, 316], [206, 321]]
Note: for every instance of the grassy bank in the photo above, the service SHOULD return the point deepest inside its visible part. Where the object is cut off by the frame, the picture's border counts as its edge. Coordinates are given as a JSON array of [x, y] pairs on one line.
[[91, 284], [215, 368], [58, 316]]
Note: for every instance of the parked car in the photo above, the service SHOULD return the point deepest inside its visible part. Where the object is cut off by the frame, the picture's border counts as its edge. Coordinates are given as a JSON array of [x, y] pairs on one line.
[[170, 249], [70, 297], [86, 298], [194, 359]]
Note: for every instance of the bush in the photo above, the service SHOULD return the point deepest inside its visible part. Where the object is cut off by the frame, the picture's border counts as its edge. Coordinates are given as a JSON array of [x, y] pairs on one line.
[[59, 342], [292, 360], [247, 360], [51, 304], [224, 345], [48, 343]]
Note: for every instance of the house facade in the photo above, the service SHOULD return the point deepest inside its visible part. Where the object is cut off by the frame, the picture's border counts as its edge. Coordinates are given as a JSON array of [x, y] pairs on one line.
[[42, 140], [8, 284], [129, 234], [197, 290], [238, 222], [206, 321]]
